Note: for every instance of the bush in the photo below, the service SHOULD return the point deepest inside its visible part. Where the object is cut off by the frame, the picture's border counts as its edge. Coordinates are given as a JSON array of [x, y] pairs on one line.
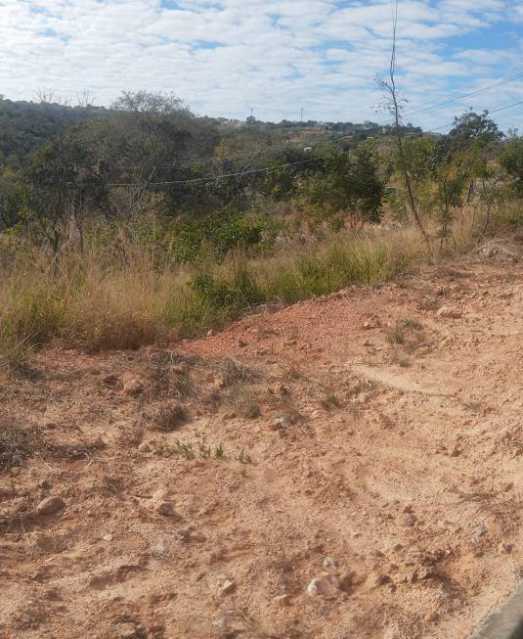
[[229, 296], [512, 161]]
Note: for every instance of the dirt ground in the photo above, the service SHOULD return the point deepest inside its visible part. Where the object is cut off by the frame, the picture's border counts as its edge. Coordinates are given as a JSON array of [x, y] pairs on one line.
[[344, 468]]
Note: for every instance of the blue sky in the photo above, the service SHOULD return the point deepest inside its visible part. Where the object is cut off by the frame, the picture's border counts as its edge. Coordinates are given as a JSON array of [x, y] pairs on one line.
[[224, 57]]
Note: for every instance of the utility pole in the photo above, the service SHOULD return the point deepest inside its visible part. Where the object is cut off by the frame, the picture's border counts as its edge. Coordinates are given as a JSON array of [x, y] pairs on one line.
[[301, 114]]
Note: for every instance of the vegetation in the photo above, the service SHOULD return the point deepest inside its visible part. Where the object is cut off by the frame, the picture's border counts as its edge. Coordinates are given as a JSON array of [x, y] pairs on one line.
[[119, 226]]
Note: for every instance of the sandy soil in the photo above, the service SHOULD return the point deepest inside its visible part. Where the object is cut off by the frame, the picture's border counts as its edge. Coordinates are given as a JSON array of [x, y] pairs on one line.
[[348, 467]]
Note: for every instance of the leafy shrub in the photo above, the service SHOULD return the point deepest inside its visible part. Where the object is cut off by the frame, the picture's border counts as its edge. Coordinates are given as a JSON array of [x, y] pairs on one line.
[[232, 296], [512, 161]]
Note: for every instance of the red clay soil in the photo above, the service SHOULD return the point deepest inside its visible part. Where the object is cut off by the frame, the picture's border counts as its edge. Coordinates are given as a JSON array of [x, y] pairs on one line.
[[347, 467]]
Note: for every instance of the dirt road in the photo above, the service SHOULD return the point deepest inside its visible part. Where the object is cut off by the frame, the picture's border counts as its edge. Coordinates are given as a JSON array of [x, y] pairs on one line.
[[348, 467]]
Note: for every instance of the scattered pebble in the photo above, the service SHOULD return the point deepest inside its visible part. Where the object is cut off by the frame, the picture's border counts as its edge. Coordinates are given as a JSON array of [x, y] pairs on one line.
[[377, 579], [166, 508], [280, 423], [50, 506], [227, 587], [326, 586], [330, 564], [447, 312], [409, 520], [282, 600], [127, 631]]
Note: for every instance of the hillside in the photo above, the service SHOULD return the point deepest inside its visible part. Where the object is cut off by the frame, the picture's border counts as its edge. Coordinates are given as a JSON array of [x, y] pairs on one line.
[[343, 467]]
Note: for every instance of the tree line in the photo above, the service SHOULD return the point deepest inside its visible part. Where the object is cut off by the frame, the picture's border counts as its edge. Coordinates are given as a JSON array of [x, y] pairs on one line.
[[150, 155]]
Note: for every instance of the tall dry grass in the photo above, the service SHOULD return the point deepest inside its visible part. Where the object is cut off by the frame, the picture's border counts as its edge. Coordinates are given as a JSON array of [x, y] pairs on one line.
[[122, 299]]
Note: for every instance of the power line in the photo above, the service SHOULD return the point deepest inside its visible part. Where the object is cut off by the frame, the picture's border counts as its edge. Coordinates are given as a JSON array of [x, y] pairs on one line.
[[498, 110], [211, 178], [450, 100]]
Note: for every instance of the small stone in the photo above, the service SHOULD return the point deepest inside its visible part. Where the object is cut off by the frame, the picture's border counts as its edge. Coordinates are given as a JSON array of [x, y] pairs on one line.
[[50, 506], [326, 585], [144, 447], [480, 530], [280, 423], [506, 548], [127, 631], [346, 582], [377, 579], [424, 572], [409, 520], [446, 312], [111, 380], [166, 509], [227, 587], [242, 343], [210, 333], [278, 389], [282, 600], [329, 563], [107, 538], [313, 589]]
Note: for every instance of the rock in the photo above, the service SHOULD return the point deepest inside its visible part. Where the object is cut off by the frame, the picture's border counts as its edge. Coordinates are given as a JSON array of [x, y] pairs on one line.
[[313, 589], [447, 312], [166, 509], [326, 585], [377, 579], [280, 423], [480, 530], [330, 564], [242, 343], [282, 600], [346, 582], [210, 333], [128, 631], [278, 389], [506, 548], [227, 587], [50, 506], [409, 520], [111, 380], [144, 447], [424, 572], [132, 385]]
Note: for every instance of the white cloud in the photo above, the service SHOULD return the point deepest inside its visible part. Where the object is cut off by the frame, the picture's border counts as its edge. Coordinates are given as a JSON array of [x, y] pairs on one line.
[[224, 56]]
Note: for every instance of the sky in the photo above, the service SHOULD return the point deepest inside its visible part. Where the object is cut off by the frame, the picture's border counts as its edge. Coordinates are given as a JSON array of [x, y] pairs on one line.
[[226, 57]]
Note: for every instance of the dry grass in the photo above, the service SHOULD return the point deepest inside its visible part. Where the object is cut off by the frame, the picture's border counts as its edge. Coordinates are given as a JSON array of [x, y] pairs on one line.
[[16, 443], [123, 299]]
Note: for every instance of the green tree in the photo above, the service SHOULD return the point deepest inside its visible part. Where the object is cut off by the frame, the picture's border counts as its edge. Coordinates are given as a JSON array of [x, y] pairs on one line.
[[67, 181], [511, 160], [349, 185]]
